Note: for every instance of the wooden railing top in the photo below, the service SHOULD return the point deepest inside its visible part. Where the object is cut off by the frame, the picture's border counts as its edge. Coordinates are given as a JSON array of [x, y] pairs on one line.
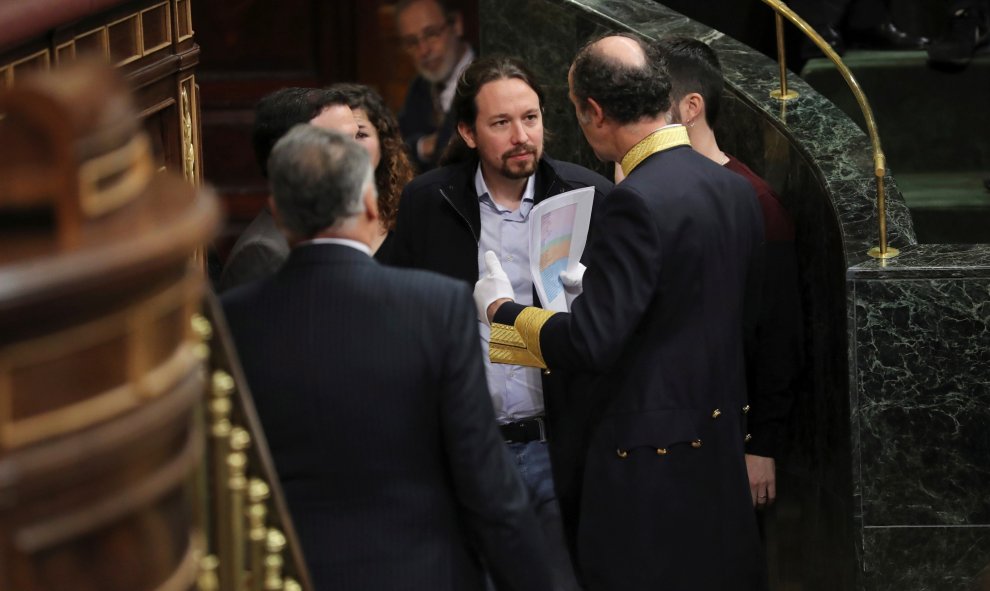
[[22, 20]]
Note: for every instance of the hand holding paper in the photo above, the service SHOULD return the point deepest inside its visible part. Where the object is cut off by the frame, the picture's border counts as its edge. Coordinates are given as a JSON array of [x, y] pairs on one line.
[[494, 285], [573, 281]]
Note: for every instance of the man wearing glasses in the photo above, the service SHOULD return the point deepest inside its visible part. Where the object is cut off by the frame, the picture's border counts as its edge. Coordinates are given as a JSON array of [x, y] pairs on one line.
[[431, 32]]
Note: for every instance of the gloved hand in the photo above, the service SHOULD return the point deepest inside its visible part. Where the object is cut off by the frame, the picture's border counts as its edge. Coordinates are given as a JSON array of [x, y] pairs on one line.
[[573, 283], [493, 285]]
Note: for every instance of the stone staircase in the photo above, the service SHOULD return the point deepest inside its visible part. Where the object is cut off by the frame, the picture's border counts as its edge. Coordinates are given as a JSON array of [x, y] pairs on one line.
[[935, 130]]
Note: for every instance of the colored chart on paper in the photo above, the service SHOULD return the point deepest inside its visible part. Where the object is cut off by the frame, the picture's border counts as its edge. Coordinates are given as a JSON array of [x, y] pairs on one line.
[[555, 247]]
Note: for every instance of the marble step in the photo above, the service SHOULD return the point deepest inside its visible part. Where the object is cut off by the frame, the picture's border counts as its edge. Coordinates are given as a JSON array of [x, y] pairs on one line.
[[929, 120], [948, 208]]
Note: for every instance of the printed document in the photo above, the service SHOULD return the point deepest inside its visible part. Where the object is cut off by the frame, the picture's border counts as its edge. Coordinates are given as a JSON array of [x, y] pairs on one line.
[[558, 233]]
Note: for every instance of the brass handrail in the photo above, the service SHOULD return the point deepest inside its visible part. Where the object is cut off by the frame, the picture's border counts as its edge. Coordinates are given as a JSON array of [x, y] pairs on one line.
[[879, 160]]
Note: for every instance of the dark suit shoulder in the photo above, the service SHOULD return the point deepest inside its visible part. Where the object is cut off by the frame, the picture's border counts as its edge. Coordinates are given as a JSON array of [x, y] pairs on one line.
[[423, 285]]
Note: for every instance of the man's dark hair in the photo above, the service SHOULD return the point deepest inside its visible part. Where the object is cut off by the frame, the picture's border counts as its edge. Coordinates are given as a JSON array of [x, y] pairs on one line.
[[465, 106], [276, 113], [694, 67], [625, 93], [446, 6]]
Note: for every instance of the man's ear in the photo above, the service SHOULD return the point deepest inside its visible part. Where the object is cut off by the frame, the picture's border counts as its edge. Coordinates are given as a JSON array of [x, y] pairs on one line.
[[596, 112], [277, 216], [693, 107], [458, 24], [370, 199], [467, 134]]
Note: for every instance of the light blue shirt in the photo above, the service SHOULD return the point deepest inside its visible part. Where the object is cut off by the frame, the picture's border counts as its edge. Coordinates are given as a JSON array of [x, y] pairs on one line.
[[517, 392]]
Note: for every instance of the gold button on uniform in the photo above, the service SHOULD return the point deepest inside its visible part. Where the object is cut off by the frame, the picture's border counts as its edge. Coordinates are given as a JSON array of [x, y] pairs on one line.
[[622, 453], [749, 437], [696, 443], [661, 451], [746, 409], [716, 413]]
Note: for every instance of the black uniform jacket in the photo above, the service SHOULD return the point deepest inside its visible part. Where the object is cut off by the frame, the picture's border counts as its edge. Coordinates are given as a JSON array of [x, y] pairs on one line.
[[371, 391], [665, 501]]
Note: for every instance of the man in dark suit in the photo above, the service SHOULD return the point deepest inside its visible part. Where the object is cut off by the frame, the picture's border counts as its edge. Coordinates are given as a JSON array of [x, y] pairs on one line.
[[431, 32], [261, 248], [387, 450], [665, 501]]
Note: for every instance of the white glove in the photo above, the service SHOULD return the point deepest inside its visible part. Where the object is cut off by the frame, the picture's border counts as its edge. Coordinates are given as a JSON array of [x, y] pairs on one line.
[[493, 285], [573, 283]]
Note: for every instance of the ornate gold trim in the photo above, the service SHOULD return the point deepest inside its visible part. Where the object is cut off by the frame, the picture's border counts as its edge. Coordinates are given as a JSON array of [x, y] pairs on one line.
[[519, 344], [662, 139], [506, 346], [187, 92]]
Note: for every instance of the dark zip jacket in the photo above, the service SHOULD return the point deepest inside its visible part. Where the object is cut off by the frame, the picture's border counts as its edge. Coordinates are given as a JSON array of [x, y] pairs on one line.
[[439, 222]]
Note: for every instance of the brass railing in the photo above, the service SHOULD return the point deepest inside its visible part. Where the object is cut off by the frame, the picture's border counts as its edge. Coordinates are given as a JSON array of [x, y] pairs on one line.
[[882, 251], [251, 543]]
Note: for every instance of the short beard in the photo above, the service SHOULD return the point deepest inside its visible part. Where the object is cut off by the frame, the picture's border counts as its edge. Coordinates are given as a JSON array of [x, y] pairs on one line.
[[522, 173]]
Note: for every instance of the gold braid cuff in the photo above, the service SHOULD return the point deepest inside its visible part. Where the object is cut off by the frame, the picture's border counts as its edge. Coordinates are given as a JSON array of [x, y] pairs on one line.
[[662, 139], [519, 344]]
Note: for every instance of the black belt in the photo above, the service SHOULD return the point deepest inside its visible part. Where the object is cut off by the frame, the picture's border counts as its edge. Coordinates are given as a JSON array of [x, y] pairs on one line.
[[524, 431]]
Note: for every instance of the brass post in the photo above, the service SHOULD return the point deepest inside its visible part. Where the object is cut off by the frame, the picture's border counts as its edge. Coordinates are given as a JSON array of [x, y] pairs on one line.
[[291, 585], [258, 493], [782, 93], [203, 331], [202, 328], [274, 545], [220, 431], [233, 564], [207, 580], [879, 161]]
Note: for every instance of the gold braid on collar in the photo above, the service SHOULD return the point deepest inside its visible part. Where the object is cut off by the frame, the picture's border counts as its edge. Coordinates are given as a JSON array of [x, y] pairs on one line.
[[662, 139]]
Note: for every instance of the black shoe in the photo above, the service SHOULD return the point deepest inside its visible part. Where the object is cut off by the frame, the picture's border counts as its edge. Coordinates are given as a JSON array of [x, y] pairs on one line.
[[886, 36], [831, 36], [968, 30]]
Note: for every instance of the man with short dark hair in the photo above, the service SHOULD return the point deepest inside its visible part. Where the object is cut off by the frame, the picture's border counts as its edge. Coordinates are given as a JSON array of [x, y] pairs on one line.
[[431, 32], [450, 216], [665, 502], [387, 450], [774, 357], [261, 248]]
